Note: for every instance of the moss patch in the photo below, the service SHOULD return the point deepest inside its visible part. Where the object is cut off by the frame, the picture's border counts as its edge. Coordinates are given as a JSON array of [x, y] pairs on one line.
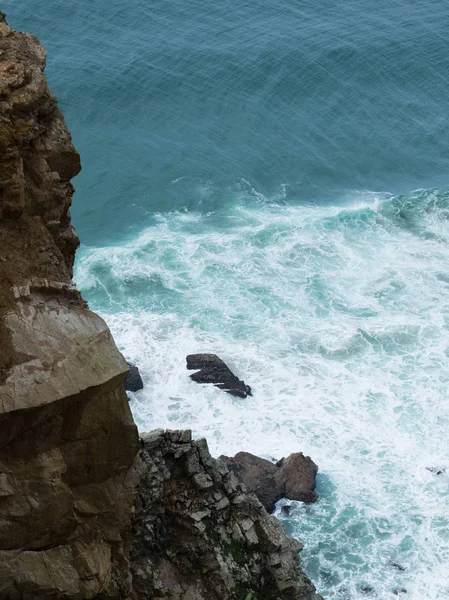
[[238, 553], [242, 593]]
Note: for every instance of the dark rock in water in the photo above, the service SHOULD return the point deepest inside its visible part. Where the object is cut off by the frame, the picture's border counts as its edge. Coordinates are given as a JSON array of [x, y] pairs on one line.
[[286, 509], [326, 577], [436, 470], [213, 370], [397, 566], [367, 589], [133, 381], [398, 591], [292, 477]]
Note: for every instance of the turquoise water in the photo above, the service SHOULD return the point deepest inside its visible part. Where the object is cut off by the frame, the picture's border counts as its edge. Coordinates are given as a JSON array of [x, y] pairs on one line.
[[269, 181]]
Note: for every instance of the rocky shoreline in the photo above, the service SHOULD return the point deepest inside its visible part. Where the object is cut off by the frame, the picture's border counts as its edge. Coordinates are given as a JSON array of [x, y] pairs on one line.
[[198, 533], [87, 510]]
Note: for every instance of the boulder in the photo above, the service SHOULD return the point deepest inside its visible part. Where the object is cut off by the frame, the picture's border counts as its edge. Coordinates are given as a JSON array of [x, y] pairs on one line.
[[258, 476], [133, 381], [292, 477], [211, 369], [296, 476]]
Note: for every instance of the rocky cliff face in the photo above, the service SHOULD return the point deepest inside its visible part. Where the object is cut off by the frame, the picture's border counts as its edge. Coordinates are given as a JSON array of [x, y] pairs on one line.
[[199, 535], [66, 485], [69, 468]]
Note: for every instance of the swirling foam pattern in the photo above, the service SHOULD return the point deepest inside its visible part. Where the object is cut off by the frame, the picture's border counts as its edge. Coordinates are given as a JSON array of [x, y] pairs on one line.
[[338, 318]]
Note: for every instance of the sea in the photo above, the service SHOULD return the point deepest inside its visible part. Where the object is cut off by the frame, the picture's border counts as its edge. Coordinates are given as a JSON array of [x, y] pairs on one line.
[[268, 180]]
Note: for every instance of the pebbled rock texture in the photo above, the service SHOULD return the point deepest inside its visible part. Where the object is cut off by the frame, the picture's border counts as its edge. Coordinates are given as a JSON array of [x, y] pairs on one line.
[[68, 442], [199, 535]]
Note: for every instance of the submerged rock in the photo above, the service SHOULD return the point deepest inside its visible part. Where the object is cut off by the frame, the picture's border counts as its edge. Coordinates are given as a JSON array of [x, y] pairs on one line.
[[211, 369], [397, 566], [367, 589], [436, 470], [133, 381], [292, 477]]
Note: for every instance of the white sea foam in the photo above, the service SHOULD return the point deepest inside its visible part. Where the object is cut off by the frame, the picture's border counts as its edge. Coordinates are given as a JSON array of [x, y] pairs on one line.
[[337, 316]]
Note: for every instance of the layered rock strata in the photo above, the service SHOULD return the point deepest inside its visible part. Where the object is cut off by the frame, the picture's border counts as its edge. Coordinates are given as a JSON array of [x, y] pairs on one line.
[[66, 485], [200, 536]]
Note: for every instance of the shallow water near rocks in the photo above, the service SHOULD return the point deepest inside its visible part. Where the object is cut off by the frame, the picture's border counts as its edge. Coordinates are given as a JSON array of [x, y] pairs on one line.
[[269, 182]]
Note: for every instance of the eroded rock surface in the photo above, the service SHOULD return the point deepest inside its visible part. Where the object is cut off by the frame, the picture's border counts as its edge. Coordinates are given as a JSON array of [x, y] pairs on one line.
[[67, 486], [200, 536], [258, 476], [292, 477]]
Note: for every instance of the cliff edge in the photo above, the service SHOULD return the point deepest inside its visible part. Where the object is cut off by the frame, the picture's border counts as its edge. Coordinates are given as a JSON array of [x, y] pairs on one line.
[[66, 485], [82, 514]]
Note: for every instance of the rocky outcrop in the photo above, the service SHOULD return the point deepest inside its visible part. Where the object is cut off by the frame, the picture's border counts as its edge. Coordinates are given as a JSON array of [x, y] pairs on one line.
[[258, 476], [292, 477], [133, 381], [200, 536], [211, 369], [66, 485], [296, 477]]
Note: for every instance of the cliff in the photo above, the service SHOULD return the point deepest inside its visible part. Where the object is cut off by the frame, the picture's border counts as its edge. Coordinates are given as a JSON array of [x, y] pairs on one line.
[[66, 485], [76, 498]]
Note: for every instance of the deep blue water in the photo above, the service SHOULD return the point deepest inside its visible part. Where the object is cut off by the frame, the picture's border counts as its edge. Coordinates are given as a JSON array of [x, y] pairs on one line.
[[270, 181]]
